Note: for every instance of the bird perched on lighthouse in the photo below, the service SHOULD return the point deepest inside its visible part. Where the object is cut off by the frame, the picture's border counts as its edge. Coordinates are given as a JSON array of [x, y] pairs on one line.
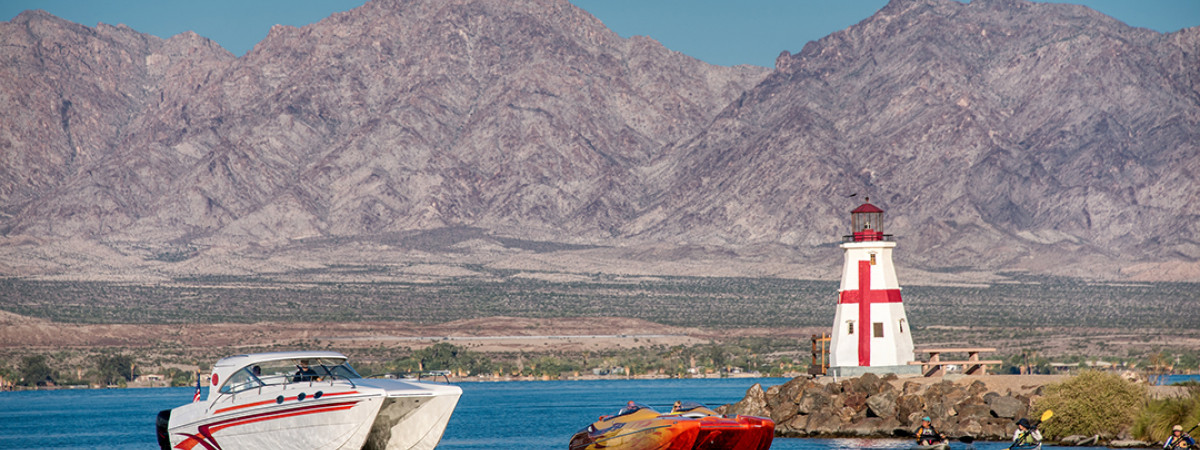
[[870, 329]]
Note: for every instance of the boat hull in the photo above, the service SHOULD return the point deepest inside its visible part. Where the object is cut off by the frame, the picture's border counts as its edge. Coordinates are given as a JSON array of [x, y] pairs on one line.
[[676, 432], [334, 424], [738, 432], [640, 435], [373, 415], [411, 423]]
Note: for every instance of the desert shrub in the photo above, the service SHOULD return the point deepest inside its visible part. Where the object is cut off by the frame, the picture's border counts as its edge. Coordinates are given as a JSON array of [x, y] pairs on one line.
[[1091, 403], [1155, 421]]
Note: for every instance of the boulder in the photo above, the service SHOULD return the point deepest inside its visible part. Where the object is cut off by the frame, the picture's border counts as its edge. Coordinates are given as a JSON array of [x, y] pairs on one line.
[[847, 414], [969, 427], [1005, 406], [913, 419], [783, 411], [978, 412], [891, 427], [972, 400], [813, 399], [783, 403], [935, 408], [907, 405], [955, 394], [977, 388], [1079, 439], [773, 390], [882, 405], [996, 428], [794, 427], [753, 404], [856, 401], [1129, 443], [824, 424], [867, 384], [790, 391], [870, 426], [939, 389]]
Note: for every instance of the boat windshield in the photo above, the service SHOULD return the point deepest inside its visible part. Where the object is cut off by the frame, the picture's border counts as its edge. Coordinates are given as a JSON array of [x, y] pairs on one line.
[[288, 371], [631, 408], [690, 408]]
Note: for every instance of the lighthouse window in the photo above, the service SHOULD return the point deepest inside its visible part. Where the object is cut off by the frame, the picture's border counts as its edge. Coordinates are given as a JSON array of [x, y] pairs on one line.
[[850, 327], [878, 326], [872, 259]]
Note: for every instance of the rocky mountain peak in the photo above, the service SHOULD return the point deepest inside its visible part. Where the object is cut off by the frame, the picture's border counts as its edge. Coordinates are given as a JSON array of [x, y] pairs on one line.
[[1026, 125], [997, 135], [394, 116]]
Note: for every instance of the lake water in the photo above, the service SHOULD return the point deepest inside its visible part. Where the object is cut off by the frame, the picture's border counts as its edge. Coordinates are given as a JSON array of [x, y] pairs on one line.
[[516, 415], [1168, 380]]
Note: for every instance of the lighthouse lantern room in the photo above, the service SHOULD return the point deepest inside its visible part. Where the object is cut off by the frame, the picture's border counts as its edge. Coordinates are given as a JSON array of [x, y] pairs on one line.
[[870, 330]]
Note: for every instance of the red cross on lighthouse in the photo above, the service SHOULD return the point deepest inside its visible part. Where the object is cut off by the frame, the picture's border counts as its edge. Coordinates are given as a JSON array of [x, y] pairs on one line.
[[864, 296]]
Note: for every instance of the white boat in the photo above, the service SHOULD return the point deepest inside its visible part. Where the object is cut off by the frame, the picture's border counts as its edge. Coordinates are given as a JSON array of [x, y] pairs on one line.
[[307, 400]]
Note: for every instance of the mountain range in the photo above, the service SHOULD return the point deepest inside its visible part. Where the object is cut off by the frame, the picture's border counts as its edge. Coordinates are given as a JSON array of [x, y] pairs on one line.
[[999, 135]]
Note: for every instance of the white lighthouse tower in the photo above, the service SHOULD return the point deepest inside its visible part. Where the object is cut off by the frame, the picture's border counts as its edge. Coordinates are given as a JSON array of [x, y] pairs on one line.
[[870, 329]]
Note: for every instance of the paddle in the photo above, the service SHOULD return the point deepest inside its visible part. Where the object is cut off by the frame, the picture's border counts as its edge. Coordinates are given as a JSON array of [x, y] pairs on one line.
[[1045, 416]]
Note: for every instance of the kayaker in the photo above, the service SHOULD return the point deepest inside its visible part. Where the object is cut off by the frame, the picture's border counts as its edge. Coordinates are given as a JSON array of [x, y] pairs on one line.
[[1025, 435], [1179, 439], [927, 434]]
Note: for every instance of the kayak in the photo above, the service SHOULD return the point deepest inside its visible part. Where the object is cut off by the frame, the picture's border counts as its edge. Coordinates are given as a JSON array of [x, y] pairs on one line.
[[1037, 446], [937, 446], [689, 426]]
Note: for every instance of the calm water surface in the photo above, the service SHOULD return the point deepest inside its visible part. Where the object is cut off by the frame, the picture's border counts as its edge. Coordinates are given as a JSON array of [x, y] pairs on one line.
[[516, 415]]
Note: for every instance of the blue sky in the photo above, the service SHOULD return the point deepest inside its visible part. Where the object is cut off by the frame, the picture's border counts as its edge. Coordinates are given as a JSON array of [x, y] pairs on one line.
[[717, 31]]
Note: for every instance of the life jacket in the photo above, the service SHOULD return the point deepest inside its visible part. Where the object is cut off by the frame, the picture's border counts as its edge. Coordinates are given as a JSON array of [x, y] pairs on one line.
[[1026, 438], [1183, 441], [927, 434]]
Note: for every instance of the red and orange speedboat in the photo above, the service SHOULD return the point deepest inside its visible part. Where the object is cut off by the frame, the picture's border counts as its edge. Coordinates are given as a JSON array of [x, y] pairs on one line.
[[688, 426]]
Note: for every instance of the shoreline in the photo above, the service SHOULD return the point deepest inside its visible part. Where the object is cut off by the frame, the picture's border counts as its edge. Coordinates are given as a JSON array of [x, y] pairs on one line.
[[1038, 379], [471, 379]]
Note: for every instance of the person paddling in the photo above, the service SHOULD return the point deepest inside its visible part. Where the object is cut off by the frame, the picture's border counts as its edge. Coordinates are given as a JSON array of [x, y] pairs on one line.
[[1025, 435], [1179, 439], [927, 434]]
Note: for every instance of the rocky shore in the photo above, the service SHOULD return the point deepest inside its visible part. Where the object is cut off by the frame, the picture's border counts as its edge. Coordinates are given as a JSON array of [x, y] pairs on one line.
[[871, 406]]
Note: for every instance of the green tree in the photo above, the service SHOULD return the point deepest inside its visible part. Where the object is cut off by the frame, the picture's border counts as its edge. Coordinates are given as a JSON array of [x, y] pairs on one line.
[[34, 369], [113, 369], [445, 356]]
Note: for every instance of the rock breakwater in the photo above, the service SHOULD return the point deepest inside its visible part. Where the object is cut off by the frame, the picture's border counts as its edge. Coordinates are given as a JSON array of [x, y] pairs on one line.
[[871, 406]]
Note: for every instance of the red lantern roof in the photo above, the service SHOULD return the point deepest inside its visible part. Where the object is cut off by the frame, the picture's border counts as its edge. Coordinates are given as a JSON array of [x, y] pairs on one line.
[[867, 208]]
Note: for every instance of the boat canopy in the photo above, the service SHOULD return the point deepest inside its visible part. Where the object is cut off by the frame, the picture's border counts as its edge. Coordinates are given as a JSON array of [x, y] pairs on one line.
[[243, 360], [242, 372]]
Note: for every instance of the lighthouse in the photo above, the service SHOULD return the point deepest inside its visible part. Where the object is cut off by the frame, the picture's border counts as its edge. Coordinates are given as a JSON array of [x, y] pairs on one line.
[[870, 329]]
